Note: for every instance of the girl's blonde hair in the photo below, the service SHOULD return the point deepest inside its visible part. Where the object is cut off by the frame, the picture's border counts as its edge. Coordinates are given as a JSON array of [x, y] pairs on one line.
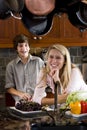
[[65, 72]]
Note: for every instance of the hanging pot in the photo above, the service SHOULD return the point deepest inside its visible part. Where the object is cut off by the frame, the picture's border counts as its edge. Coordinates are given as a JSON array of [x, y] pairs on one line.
[[15, 5], [40, 7], [37, 25], [78, 15], [9, 6], [72, 2], [62, 5], [4, 7]]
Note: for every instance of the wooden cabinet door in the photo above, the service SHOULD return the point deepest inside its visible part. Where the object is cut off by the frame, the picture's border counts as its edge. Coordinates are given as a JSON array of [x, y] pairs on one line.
[[7, 32], [61, 31]]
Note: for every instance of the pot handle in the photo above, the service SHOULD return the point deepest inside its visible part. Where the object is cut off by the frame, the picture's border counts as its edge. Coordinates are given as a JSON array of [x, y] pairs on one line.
[[14, 16]]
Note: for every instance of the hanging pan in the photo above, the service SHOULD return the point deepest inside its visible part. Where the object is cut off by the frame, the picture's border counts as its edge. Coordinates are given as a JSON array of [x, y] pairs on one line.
[[37, 25], [78, 15], [8, 7]]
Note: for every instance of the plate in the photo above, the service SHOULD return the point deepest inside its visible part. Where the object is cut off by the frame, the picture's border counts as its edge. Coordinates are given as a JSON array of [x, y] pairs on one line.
[[23, 112], [76, 116], [31, 114]]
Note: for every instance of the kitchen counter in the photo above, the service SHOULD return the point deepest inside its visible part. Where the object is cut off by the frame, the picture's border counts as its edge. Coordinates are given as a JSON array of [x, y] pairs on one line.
[[8, 122]]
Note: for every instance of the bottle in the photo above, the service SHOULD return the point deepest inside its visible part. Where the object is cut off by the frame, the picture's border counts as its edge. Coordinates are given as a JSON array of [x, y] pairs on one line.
[[48, 91]]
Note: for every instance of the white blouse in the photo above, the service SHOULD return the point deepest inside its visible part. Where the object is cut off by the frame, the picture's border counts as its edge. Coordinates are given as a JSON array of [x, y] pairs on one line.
[[76, 83]]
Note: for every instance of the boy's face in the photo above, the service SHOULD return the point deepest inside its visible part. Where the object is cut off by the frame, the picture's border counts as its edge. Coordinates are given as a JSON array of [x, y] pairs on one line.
[[23, 49]]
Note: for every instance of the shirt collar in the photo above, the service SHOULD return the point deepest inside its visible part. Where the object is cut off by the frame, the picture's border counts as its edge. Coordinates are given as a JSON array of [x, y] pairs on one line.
[[18, 59]]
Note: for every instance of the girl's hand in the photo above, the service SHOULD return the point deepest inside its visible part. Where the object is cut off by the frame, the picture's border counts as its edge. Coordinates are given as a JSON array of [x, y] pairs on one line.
[[55, 75], [52, 72]]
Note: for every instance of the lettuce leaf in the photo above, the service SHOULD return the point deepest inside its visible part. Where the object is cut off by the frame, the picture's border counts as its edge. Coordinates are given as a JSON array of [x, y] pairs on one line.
[[76, 96]]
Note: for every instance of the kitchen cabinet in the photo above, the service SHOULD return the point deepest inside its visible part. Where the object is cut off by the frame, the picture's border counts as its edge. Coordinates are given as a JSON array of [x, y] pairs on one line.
[[62, 31]]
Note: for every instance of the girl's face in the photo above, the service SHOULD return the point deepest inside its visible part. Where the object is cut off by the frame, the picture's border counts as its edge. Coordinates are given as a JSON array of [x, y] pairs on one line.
[[23, 49], [55, 60]]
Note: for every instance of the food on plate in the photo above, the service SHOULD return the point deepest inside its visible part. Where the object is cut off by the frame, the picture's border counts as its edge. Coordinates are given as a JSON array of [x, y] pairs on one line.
[[76, 96], [78, 107], [25, 105], [77, 102], [75, 107], [83, 106]]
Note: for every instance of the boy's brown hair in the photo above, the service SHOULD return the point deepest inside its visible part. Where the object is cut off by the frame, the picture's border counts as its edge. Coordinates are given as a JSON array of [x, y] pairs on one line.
[[20, 38]]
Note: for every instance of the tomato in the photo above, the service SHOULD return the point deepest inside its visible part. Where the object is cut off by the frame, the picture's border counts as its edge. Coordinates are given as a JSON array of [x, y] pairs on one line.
[[75, 107], [83, 106]]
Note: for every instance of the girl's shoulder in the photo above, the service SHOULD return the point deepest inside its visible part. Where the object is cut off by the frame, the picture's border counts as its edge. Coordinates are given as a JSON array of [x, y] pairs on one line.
[[76, 71], [74, 67]]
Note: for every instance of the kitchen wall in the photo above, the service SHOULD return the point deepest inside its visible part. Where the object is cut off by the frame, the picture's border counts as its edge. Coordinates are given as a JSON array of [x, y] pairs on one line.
[[8, 54]]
